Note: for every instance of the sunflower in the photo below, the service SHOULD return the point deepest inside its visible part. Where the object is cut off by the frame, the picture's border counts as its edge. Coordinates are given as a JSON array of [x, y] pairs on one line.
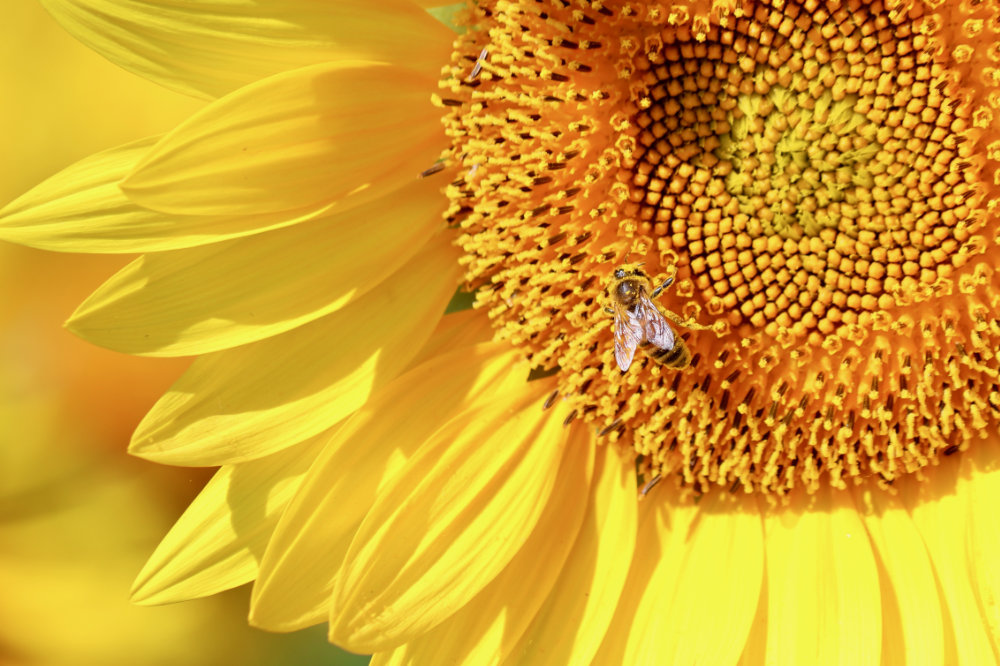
[[818, 181]]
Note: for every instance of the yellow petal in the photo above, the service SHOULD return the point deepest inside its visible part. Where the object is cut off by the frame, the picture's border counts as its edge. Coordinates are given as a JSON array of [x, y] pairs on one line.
[[207, 48], [755, 650], [457, 329], [942, 516], [658, 523], [695, 582], [218, 541], [299, 567], [248, 402], [345, 132], [724, 561], [822, 583], [455, 516], [82, 209], [980, 482], [197, 301], [571, 625], [911, 607], [484, 630]]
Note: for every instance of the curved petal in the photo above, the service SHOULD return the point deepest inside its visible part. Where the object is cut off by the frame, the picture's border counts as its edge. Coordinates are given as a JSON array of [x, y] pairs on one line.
[[208, 48], [82, 209], [755, 650], [569, 628], [457, 329], [485, 630], [913, 632], [345, 132], [981, 482], [248, 402], [695, 583], [218, 541], [300, 565], [823, 587], [197, 301], [658, 523], [942, 516], [454, 517]]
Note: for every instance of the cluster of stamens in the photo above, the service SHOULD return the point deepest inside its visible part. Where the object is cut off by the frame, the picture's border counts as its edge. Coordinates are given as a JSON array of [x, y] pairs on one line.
[[818, 177], [814, 172]]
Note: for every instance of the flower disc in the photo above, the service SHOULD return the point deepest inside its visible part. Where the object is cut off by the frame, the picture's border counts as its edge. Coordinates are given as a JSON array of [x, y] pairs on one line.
[[818, 177]]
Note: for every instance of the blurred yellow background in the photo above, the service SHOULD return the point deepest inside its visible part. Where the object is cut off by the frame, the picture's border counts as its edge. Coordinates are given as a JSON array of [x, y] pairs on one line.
[[78, 516]]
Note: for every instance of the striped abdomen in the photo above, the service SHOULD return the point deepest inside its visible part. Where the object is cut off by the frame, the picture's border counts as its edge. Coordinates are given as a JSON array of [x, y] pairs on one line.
[[677, 356]]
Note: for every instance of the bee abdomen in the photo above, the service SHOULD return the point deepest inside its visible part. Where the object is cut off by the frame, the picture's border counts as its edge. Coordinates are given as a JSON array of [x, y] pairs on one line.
[[677, 356]]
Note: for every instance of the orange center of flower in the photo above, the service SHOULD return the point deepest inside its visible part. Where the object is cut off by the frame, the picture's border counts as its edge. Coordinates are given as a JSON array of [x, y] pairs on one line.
[[819, 177]]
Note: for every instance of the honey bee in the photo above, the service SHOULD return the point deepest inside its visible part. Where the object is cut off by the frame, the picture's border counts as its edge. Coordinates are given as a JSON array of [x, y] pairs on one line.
[[640, 324]]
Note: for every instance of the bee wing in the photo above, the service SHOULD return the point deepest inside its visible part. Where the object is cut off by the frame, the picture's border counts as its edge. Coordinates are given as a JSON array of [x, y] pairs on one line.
[[628, 335], [655, 328]]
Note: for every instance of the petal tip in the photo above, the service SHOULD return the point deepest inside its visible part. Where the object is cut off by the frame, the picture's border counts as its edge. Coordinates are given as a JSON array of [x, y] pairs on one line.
[[144, 592], [146, 445], [341, 636], [259, 618], [152, 451], [349, 632]]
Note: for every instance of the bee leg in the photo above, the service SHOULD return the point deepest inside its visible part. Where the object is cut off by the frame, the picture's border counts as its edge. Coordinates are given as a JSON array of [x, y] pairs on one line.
[[686, 323], [659, 290], [609, 311]]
